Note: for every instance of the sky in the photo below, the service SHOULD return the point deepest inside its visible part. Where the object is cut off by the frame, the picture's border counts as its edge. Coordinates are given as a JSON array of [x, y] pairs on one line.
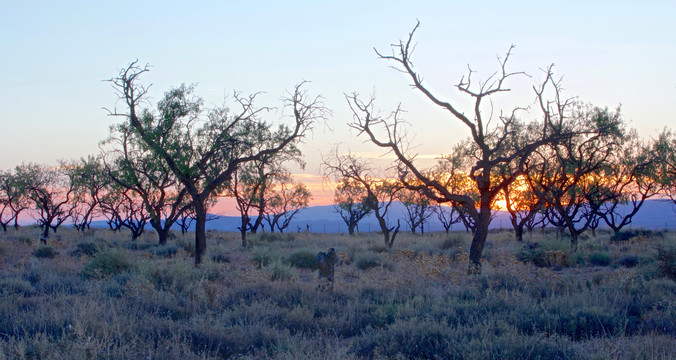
[[55, 56]]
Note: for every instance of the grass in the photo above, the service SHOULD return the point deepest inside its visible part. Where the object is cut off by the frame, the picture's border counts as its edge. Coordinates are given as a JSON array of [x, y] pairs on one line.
[[611, 299]]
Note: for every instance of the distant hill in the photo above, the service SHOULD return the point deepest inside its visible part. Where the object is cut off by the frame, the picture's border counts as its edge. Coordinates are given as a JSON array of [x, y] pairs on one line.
[[655, 214]]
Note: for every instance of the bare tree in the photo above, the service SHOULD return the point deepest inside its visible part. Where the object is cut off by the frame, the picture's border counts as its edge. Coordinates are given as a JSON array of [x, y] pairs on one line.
[[203, 151], [381, 192], [351, 202], [447, 215], [495, 140]]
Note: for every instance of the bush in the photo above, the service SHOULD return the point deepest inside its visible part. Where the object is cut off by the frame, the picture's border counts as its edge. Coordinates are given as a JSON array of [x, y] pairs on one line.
[[666, 259], [303, 260], [281, 272], [634, 233], [268, 237], [262, 257], [628, 261], [599, 259], [166, 250], [367, 261], [451, 242], [44, 252], [87, 248], [106, 263]]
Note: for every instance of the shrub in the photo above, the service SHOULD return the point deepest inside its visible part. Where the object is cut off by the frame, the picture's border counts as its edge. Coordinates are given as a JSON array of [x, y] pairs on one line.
[[451, 242], [86, 248], [634, 233], [666, 258], [628, 261], [109, 262], [44, 252], [599, 259], [166, 250], [367, 261], [268, 237], [262, 257], [280, 271], [16, 286], [303, 260]]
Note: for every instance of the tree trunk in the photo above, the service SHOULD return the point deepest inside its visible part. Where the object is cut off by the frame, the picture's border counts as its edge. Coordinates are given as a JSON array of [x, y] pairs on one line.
[[480, 236], [242, 229], [162, 234], [518, 232], [200, 232], [350, 229]]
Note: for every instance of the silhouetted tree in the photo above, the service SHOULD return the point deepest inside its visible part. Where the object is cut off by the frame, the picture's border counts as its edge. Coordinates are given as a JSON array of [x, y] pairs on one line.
[[285, 200], [204, 148], [351, 204], [131, 165], [13, 197], [381, 192], [90, 180], [49, 191], [496, 142]]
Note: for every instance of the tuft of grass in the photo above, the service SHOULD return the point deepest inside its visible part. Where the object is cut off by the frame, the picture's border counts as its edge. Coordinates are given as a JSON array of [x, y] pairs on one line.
[[45, 252], [107, 263], [452, 242]]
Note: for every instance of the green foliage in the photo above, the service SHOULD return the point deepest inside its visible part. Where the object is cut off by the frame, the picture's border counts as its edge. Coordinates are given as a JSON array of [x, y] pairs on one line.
[[45, 251], [303, 260], [106, 263]]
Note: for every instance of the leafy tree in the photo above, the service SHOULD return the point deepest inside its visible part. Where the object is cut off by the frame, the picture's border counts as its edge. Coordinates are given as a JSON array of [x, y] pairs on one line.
[[418, 209], [664, 161], [381, 192], [566, 175], [628, 179], [89, 180], [132, 166], [13, 198], [204, 148], [351, 203], [50, 191], [287, 198], [523, 206]]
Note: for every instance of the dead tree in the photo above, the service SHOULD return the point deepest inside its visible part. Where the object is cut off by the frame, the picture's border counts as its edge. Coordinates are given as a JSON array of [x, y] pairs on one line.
[[499, 143]]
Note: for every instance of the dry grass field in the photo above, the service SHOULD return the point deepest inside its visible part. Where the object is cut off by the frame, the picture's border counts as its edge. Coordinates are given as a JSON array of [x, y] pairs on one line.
[[98, 295]]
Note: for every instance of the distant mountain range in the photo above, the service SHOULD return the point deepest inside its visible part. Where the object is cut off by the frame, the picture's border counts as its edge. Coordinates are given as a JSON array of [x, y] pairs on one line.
[[654, 214]]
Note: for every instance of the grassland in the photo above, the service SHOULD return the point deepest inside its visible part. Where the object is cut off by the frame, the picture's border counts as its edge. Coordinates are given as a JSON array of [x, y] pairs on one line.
[[98, 295]]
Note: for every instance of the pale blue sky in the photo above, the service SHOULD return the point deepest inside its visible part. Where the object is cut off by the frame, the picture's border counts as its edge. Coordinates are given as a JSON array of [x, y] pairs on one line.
[[54, 55]]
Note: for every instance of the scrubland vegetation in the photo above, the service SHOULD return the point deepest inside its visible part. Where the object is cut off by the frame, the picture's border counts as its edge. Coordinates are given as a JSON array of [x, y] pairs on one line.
[[99, 295]]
